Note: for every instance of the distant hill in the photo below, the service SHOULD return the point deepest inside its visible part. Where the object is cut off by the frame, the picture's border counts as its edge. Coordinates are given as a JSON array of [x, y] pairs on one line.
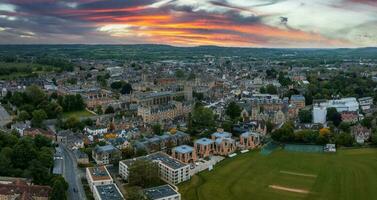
[[151, 52]]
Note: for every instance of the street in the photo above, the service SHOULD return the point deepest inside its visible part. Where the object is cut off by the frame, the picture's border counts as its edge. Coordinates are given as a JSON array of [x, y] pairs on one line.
[[72, 175]]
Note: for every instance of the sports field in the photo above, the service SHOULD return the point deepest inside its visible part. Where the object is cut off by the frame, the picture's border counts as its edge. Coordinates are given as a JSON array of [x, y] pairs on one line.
[[347, 174]]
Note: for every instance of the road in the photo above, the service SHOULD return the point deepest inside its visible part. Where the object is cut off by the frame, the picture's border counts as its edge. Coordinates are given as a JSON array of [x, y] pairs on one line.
[[72, 175]]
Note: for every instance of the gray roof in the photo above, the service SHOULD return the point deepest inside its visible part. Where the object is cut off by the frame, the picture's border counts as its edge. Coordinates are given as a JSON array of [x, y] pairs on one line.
[[161, 157], [184, 149], [160, 192], [58, 166], [204, 141], [297, 98], [222, 134], [107, 148], [249, 133], [109, 192]]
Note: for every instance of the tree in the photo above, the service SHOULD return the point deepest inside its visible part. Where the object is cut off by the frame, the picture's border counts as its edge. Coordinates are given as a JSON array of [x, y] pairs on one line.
[[99, 110], [374, 137], [305, 116], [144, 173], [157, 129], [39, 173], [271, 73], [6, 162], [126, 89], [59, 188], [334, 116], [179, 73], [42, 141], [109, 110], [344, 139], [38, 117], [23, 116], [271, 89], [35, 94], [284, 134], [23, 153], [53, 110], [135, 193], [74, 124], [202, 118], [233, 110], [344, 126], [116, 85], [367, 122]]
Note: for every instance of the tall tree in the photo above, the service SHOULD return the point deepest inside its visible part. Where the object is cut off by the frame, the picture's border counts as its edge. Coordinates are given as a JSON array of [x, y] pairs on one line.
[[38, 117], [59, 188], [305, 116], [144, 173], [233, 110]]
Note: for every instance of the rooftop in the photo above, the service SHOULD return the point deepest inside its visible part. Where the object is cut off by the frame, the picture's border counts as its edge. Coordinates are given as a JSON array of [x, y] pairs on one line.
[[297, 98], [222, 134], [160, 192], [184, 149], [99, 173], [109, 192], [107, 148], [249, 133], [161, 157], [167, 160], [204, 141]]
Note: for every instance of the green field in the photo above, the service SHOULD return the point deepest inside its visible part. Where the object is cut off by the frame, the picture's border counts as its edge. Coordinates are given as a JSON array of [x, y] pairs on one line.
[[78, 114], [347, 174]]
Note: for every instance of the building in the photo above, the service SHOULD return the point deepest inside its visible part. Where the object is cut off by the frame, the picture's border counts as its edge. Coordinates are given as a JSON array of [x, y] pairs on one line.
[[350, 116], [366, 103], [344, 104], [298, 101], [107, 192], [171, 170], [264, 103], [160, 113], [163, 192], [184, 153], [98, 176], [162, 142], [81, 157], [249, 140], [225, 146], [319, 114], [105, 154], [32, 132], [361, 133], [20, 189], [20, 127], [115, 71], [204, 147], [96, 130]]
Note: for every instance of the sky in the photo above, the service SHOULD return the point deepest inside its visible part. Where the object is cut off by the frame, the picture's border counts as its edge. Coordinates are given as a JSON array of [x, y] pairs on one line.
[[243, 23]]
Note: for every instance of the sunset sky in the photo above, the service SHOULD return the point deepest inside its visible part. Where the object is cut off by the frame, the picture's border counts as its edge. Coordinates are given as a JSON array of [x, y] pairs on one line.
[[246, 23]]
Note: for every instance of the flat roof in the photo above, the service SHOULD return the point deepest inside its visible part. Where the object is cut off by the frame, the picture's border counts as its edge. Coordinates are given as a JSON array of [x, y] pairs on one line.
[[109, 192], [160, 192], [161, 157], [99, 173]]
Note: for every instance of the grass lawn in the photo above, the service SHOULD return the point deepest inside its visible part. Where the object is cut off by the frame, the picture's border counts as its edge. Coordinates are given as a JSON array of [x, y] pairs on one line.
[[347, 174], [81, 113]]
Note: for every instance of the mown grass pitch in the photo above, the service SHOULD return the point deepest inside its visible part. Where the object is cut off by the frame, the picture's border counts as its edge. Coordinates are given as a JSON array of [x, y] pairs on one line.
[[347, 174]]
